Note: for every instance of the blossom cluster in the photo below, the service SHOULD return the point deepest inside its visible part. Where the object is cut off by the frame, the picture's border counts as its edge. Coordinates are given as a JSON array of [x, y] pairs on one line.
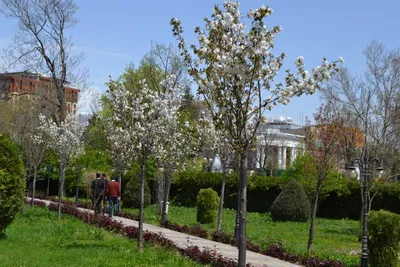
[[65, 138], [120, 151], [144, 118], [234, 66], [214, 140]]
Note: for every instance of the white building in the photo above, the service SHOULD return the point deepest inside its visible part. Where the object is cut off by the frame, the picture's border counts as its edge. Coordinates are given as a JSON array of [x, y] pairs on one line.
[[280, 141]]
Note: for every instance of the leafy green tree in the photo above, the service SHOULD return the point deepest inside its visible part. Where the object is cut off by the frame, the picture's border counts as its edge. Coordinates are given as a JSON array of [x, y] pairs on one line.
[[304, 171], [12, 177]]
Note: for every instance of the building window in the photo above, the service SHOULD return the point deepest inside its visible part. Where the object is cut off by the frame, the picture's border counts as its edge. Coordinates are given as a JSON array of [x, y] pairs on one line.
[[20, 85]]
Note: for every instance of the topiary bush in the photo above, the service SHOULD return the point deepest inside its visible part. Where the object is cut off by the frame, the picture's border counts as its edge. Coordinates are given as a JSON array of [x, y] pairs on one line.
[[292, 204], [12, 174], [131, 194], [383, 238], [207, 205]]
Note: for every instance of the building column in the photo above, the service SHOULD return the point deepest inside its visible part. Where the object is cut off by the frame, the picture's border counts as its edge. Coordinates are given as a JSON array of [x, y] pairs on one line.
[[292, 154], [258, 154], [280, 157], [284, 157], [262, 155]]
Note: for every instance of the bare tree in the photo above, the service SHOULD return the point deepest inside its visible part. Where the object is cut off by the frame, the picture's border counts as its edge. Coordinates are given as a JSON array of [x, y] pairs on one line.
[[41, 44], [322, 142], [21, 120], [371, 100], [164, 61]]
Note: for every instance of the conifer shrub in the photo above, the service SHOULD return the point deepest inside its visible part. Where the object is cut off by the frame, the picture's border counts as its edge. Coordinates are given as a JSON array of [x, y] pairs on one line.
[[292, 204], [12, 174], [207, 205], [131, 194], [383, 238]]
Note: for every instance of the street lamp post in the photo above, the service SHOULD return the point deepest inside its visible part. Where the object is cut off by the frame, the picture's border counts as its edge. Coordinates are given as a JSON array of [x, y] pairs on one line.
[[365, 169]]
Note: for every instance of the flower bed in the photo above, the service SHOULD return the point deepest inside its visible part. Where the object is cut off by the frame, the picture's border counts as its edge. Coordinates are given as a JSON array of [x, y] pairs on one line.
[[195, 230]]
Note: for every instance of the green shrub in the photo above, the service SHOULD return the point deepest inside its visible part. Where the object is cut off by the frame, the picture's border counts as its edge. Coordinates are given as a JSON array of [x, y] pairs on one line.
[[207, 205], [340, 198], [383, 238], [12, 184], [292, 204], [131, 194]]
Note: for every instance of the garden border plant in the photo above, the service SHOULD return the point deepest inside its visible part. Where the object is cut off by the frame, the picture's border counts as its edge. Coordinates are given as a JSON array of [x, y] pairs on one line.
[[274, 249], [207, 256]]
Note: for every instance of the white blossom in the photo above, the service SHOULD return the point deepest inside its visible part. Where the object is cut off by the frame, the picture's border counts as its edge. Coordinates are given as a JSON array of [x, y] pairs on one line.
[[233, 66], [64, 138]]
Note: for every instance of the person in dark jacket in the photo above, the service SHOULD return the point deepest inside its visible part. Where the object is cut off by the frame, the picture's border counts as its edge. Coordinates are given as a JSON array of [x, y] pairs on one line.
[[104, 209], [113, 195], [97, 188]]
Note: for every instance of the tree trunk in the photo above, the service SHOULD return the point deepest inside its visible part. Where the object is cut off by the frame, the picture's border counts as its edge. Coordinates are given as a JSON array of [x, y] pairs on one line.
[[313, 216], [77, 190], [160, 192], [63, 165], [221, 199], [48, 186], [237, 218], [120, 185], [243, 207], [165, 198], [33, 185], [265, 161], [140, 239]]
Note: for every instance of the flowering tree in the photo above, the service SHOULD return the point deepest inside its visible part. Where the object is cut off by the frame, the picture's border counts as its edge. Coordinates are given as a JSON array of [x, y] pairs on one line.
[[174, 147], [323, 142], [218, 145], [65, 140], [34, 151], [232, 68], [119, 148], [143, 114]]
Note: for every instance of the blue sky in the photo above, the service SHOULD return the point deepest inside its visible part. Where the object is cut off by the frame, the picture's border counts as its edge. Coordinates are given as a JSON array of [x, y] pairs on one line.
[[115, 33]]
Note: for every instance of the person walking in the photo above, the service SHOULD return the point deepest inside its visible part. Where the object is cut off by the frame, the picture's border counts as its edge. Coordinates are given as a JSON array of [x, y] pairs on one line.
[[104, 177], [113, 195], [98, 189]]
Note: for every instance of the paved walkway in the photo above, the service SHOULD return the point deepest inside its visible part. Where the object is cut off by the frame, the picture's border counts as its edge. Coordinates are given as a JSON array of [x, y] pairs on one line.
[[184, 240]]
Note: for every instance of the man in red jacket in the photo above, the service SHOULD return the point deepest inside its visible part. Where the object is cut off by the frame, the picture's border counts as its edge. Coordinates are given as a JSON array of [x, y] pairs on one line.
[[113, 195]]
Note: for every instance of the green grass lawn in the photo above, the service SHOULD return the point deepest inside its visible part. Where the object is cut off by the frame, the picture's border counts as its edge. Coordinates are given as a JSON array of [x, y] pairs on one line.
[[36, 238], [333, 238]]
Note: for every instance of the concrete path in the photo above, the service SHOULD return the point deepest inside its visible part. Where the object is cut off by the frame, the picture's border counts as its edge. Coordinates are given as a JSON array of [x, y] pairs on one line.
[[184, 240]]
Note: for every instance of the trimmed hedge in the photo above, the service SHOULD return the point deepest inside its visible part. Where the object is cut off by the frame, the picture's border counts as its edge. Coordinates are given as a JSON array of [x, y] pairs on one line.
[[207, 205], [341, 199], [292, 204], [383, 238]]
